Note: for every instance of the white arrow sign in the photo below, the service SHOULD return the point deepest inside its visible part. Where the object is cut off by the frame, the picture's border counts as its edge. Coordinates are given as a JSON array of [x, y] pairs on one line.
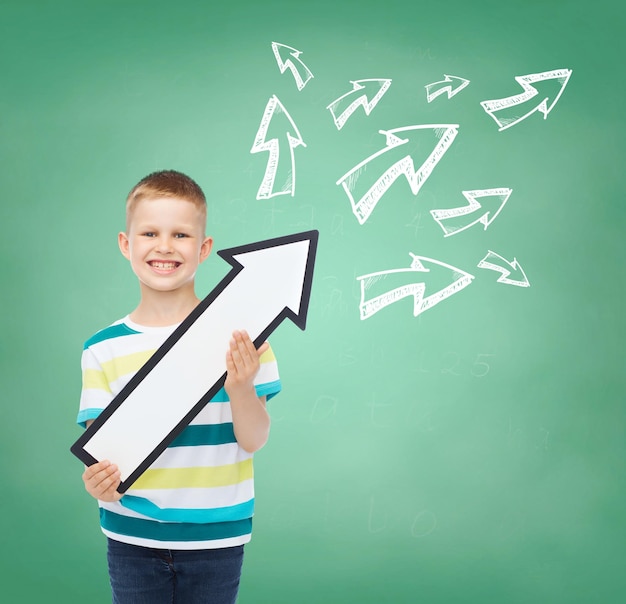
[[269, 282]]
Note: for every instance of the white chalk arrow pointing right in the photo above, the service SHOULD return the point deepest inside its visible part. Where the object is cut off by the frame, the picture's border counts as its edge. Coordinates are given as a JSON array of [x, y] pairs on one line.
[[427, 281], [450, 84], [513, 109], [495, 262], [365, 93], [455, 220], [369, 180]]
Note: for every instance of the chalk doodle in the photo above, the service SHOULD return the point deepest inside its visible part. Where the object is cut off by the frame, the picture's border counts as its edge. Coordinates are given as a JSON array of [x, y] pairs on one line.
[[393, 161], [495, 262], [512, 110], [455, 220], [383, 288], [277, 116], [412, 152], [451, 85], [289, 58], [364, 93]]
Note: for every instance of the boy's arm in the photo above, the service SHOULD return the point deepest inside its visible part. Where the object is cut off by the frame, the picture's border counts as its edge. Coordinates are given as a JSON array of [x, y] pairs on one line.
[[102, 479], [251, 421]]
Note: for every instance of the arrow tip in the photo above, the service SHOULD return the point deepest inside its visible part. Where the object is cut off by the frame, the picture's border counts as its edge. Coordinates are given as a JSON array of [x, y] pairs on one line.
[[283, 263]]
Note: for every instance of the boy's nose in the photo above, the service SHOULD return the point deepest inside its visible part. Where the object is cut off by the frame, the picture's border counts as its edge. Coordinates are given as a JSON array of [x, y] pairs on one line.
[[164, 245]]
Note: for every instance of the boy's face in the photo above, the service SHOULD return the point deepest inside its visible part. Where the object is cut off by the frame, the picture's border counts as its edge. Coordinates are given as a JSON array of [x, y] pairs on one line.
[[165, 243]]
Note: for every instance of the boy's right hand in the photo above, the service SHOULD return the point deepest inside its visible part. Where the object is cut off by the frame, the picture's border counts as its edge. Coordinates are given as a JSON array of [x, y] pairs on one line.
[[101, 481]]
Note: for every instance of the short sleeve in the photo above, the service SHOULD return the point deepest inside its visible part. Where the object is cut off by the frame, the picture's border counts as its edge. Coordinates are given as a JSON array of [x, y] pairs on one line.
[[267, 382], [96, 393]]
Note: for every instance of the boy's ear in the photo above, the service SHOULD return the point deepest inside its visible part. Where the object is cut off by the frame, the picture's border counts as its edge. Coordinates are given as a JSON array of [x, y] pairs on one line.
[[205, 249], [122, 241]]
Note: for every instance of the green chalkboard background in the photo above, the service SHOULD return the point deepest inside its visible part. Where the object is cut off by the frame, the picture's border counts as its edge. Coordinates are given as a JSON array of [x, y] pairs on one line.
[[474, 453]]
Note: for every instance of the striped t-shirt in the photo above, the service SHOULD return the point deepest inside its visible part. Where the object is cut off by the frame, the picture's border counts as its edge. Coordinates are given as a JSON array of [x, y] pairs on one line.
[[199, 493]]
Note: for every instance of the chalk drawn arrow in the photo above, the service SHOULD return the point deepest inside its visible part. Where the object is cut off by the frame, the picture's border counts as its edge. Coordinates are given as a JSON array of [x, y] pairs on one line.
[[364, 93], [451, 85], [485, 211], [289, 58], [512, 273], [428, 281], [384, 167], [270, 281], [539, 88], [288, 135]]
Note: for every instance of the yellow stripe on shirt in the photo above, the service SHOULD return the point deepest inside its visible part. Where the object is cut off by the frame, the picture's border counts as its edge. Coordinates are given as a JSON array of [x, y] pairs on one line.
[[94, 379], [130, 363], [114, 369], [199, 478], [267, 356]]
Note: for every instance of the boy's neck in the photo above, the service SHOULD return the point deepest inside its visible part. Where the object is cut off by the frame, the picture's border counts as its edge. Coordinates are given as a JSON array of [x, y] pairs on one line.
[[161, 309]]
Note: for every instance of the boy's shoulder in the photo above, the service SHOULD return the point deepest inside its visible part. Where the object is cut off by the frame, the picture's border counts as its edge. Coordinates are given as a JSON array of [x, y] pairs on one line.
[[115, 330]]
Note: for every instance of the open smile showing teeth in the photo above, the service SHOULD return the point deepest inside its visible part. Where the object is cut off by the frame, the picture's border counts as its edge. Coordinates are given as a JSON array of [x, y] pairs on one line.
[[163, 265]]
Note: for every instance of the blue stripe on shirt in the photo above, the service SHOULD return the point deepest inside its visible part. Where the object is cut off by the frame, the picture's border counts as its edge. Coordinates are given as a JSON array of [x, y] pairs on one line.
[[230, 513], [86, 414], [173, 531], [268, 389], [205, 434], [113, 331]]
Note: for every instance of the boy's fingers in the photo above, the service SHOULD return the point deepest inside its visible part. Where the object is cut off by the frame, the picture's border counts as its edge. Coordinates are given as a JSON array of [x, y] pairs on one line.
[[231, 366], [239, 350], [114, 482], [235, 357], [102, 479], [96, 468], [246, 347], [242, 358], [263, 348], [101, 475], [250, 348], [108, 486]]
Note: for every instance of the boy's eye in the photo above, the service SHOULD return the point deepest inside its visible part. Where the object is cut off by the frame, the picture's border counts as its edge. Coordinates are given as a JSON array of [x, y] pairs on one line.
[[148, 234], [180, 235]]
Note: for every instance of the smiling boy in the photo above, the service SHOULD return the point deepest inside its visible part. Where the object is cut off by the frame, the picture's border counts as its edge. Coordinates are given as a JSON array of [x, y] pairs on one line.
[[177, 534]]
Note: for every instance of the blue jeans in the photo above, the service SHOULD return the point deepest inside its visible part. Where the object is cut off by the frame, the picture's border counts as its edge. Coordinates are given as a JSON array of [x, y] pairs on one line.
[[141, 575]]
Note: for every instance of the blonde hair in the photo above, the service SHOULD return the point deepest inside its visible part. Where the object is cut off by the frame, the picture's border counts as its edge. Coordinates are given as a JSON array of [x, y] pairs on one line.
[[166, 183]]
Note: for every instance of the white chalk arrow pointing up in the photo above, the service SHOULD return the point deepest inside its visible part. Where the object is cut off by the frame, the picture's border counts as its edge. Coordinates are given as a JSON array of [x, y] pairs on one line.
[[450, 84], [269, 282], [365, 93], [455, 220], [289, 58], [539, 88], [286, 136]]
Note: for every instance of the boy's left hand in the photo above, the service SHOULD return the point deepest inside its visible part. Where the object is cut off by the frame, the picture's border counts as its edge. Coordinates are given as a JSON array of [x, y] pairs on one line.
[[242, 364]]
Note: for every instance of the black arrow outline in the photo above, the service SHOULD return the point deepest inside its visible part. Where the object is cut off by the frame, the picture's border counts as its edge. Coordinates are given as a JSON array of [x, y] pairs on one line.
[[229, 254]]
